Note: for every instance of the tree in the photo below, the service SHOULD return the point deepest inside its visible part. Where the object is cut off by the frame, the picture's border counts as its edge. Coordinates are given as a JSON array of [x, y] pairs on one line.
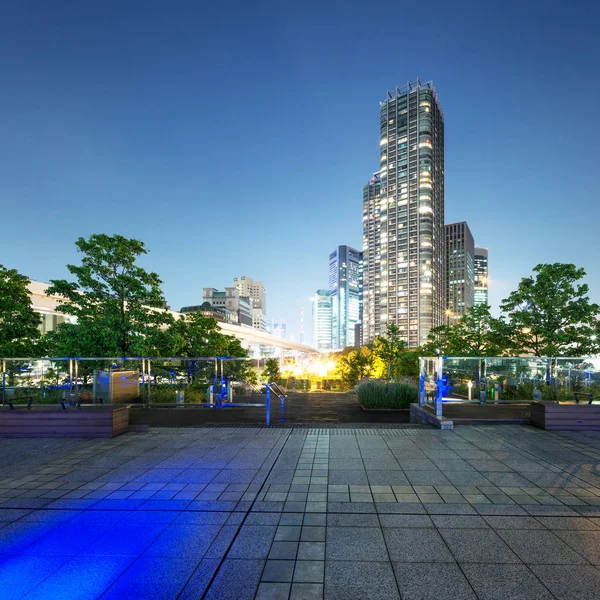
[[19, 324], [119, 306], [550, 313], [356, 365], [271, 370], [476, 333], [389, 348]]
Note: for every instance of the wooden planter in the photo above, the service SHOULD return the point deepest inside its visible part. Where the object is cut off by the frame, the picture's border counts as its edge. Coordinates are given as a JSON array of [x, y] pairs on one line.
[[104, 422], [571, 417]]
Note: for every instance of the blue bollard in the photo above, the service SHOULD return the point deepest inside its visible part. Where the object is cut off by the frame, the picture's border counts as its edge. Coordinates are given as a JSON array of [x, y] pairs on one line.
[[268, 405]]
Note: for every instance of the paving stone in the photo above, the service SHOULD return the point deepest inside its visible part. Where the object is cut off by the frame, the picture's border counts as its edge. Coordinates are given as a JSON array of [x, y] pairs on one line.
[[415, 545], [309, 571], [500, 582], [477, 546], [459, 522], [357, 580], [252, 541], [585, 543], [306, 591], [540, 547], [344, 544], [278, 570], [570, 582], [500, 522], [236, 579], [421, 581], [273, 591]]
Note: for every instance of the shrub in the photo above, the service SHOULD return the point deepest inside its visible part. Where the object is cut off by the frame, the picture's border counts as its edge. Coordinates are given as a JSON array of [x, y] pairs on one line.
[[372, 394]]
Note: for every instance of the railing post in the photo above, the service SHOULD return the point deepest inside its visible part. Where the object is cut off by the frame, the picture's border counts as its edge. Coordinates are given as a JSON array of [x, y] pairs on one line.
[[440, 380], [422, 382], [482, 381], [77, 401], [3, 382], [149, 382], [282, 400], [268, 404]]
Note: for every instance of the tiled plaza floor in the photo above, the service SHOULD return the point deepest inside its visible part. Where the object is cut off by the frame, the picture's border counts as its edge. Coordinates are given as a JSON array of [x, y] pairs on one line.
[[503, 512]]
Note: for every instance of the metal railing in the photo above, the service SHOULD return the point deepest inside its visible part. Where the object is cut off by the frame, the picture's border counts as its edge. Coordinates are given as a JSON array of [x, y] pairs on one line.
[[216, 382], [496, 380]]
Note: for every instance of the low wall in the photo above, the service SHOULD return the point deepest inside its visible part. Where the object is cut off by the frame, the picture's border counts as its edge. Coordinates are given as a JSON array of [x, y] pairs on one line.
[[421, 414], [569, 417], [105, 422]]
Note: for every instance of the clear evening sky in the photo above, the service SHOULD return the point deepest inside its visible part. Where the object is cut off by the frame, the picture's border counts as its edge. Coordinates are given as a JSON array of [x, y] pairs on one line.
[[234, 138]]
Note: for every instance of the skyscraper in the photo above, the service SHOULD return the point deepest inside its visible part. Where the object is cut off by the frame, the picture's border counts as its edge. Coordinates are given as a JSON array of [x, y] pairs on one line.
[[460, 270], [254, 290], [322, 310], [371, 321], [481, 276], [403, 218], [345, 285]]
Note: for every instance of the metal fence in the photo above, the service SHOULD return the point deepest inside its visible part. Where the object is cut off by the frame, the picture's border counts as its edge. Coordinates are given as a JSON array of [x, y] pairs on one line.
[[508, 379], [216, 382]]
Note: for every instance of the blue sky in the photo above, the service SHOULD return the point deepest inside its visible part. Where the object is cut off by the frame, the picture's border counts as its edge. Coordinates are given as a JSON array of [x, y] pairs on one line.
[[234, 139]]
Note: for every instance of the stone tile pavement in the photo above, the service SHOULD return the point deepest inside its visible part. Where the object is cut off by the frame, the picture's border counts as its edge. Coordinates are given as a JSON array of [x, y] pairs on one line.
[[491, 512]]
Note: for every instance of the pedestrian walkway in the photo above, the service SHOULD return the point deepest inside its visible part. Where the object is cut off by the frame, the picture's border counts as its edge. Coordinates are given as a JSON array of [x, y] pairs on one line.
[[490, 512]]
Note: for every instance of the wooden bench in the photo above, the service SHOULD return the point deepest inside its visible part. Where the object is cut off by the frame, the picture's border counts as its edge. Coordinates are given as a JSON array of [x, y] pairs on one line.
[[29, 403]]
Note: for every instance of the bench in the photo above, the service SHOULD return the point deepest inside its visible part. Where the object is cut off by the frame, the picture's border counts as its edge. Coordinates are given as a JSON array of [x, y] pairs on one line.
[[29, 403], [588, 397]]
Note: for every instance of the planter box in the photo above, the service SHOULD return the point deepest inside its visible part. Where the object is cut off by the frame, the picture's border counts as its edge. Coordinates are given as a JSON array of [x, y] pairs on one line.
[[571, 417], [385, 409], [421, 414], [104, 422]]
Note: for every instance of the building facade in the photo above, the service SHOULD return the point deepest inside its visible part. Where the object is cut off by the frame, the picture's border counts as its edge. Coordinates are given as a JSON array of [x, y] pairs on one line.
[[231, 301], [322, 320], [345, 286], [255, 290], [403, 218], [460, 270], [481, 276]]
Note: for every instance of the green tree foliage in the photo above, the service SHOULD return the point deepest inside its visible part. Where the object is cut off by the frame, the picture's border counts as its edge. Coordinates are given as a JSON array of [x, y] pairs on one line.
[[271, 371], [119, 306], [476, 333], [19, 324], [550, 314], [356, 365], [390, 348]]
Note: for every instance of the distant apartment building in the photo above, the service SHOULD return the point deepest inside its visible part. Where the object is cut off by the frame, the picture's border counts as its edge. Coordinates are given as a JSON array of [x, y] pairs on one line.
[[481, 276], [460, 270], [220, 313], [277, 328], [230, 300], [403, 218], [322, 320], [254, 290], [345, 286]]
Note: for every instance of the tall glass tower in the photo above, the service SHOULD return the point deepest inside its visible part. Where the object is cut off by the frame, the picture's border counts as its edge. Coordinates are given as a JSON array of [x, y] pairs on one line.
[[405, 259], [481, 276], [346, 286], [460, 270]]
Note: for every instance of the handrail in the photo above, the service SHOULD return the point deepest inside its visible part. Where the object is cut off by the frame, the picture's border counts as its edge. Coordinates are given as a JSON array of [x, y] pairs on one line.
[[277, 389]]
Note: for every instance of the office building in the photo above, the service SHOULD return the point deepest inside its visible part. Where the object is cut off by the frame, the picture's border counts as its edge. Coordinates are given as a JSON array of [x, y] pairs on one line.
[[481, 276], [322, 320], [403, 218], [231, 301], [345, 285], [460, 270], [254, 290]]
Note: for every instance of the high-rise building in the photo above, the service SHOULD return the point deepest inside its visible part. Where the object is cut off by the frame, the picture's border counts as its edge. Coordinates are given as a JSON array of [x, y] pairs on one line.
[[345, 285], [371, 321], [460, 270], [231, 301], [254, 290], [322, 313], [481, 276], [403, 218]]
